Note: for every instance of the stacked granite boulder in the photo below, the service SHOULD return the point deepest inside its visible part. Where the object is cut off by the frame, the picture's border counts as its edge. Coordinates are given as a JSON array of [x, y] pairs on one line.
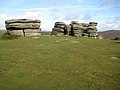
[[75, 28], [92, 30], [84, 29], [59, 29], [23, 27]]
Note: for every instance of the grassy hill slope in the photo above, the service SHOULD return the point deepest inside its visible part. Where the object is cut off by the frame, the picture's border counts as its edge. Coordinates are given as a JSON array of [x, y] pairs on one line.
[[59, 63], [110, 34]]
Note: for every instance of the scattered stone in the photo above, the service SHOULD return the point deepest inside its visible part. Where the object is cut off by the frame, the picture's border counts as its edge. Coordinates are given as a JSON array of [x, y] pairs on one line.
[[63, 39], [56, 41], [114, 58], [74, 41], [99, 37]]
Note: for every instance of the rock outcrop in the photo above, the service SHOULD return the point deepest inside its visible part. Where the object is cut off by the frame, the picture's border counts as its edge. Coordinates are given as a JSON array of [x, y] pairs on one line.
[[84, 29], [75, 29], [23, 27], [92, 29], [59, 29]]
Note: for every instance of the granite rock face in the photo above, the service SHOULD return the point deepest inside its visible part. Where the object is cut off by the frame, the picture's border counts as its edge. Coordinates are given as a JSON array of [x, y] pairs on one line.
[[23, 27], [59, 29], [76, 29]]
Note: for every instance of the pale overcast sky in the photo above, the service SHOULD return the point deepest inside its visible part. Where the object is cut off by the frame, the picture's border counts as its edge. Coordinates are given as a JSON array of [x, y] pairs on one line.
[[105, 12]]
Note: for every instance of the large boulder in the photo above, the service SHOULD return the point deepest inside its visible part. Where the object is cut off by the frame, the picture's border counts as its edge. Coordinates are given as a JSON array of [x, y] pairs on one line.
[[84, 29], [23, 27], [22, 24], [59, 29], [75, 28]]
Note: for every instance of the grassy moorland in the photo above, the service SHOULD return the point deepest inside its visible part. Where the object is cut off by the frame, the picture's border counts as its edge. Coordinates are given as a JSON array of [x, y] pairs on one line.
[[59, 63]]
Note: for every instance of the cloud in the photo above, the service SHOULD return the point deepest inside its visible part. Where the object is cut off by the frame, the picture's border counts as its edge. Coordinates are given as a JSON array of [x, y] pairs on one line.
[[50, 15], [11, 3], [32, 15], [117, 7], [87, 17], [111, 3], [72, 16], [68, 7], [117, 18], [3, 17], [55, 13], [112, 25]]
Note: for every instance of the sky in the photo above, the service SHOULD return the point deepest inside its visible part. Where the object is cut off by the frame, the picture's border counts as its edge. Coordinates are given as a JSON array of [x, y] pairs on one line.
[[105, 12]]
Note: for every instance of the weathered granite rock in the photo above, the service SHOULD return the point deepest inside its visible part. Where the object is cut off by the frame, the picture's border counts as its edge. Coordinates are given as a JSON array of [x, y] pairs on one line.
[[59, 29], [23, 27], [75, 29], [85, 29], [74, 22], [22, 21], [92, 23], [99, 37], [16, 32], [22, 24]]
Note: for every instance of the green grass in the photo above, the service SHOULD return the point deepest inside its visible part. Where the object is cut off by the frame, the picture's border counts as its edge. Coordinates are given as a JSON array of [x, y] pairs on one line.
[[59, 63]]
